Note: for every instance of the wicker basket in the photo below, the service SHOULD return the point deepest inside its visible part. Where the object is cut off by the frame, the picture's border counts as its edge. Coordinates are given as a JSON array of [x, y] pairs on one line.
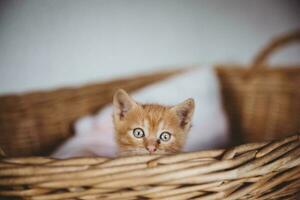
[[262, 101], [260, 171]]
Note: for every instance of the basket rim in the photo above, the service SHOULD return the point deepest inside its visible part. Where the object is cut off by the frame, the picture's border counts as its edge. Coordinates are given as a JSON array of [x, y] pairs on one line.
[[252, 168]]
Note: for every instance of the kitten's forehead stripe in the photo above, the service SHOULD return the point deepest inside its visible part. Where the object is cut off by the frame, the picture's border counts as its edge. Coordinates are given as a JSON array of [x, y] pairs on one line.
[[154, 113], [146, 126], [161, 125]]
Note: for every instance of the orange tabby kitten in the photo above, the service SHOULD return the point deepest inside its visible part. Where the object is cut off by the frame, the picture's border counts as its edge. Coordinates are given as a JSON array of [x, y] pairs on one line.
[[150, 128]]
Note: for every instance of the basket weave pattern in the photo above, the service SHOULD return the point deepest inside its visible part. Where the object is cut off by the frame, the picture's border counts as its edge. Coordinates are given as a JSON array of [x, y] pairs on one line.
[[251, 171], [262, 101], [36, 123]]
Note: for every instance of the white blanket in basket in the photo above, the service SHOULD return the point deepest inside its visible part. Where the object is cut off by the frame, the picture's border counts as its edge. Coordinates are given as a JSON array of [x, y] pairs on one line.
[[94, 134]]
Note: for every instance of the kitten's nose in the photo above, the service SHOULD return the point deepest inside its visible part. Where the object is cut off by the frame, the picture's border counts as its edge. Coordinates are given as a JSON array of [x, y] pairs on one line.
[[151, 148]]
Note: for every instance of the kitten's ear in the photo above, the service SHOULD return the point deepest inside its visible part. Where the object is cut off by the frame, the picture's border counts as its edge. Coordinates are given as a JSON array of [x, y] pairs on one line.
[[122, 103], [185, 111]]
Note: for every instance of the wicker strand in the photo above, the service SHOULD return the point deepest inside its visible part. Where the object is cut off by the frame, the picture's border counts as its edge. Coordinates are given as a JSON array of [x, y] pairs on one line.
[[251, 171], [276, 43]]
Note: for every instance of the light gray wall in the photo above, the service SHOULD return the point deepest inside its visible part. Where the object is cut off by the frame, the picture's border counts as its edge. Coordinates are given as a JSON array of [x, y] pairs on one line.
[[50, 43]]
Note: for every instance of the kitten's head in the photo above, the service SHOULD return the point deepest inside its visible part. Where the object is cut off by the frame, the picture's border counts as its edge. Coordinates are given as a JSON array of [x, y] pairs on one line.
[[150, 128]]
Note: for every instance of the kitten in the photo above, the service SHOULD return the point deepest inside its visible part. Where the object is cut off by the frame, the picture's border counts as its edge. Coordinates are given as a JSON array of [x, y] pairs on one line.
[[150, 128]]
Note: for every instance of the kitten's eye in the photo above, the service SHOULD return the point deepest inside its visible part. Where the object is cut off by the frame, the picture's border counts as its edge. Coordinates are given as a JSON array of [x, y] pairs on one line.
[[165, 136], [138, 133]]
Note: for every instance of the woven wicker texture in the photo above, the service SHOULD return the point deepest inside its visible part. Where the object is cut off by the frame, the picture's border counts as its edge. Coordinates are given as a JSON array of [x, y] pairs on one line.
[[36, 123], [251, 171], [262, 101]]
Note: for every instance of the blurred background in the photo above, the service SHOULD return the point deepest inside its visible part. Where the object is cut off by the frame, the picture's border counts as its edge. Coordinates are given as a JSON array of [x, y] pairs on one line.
[[49, 44]]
